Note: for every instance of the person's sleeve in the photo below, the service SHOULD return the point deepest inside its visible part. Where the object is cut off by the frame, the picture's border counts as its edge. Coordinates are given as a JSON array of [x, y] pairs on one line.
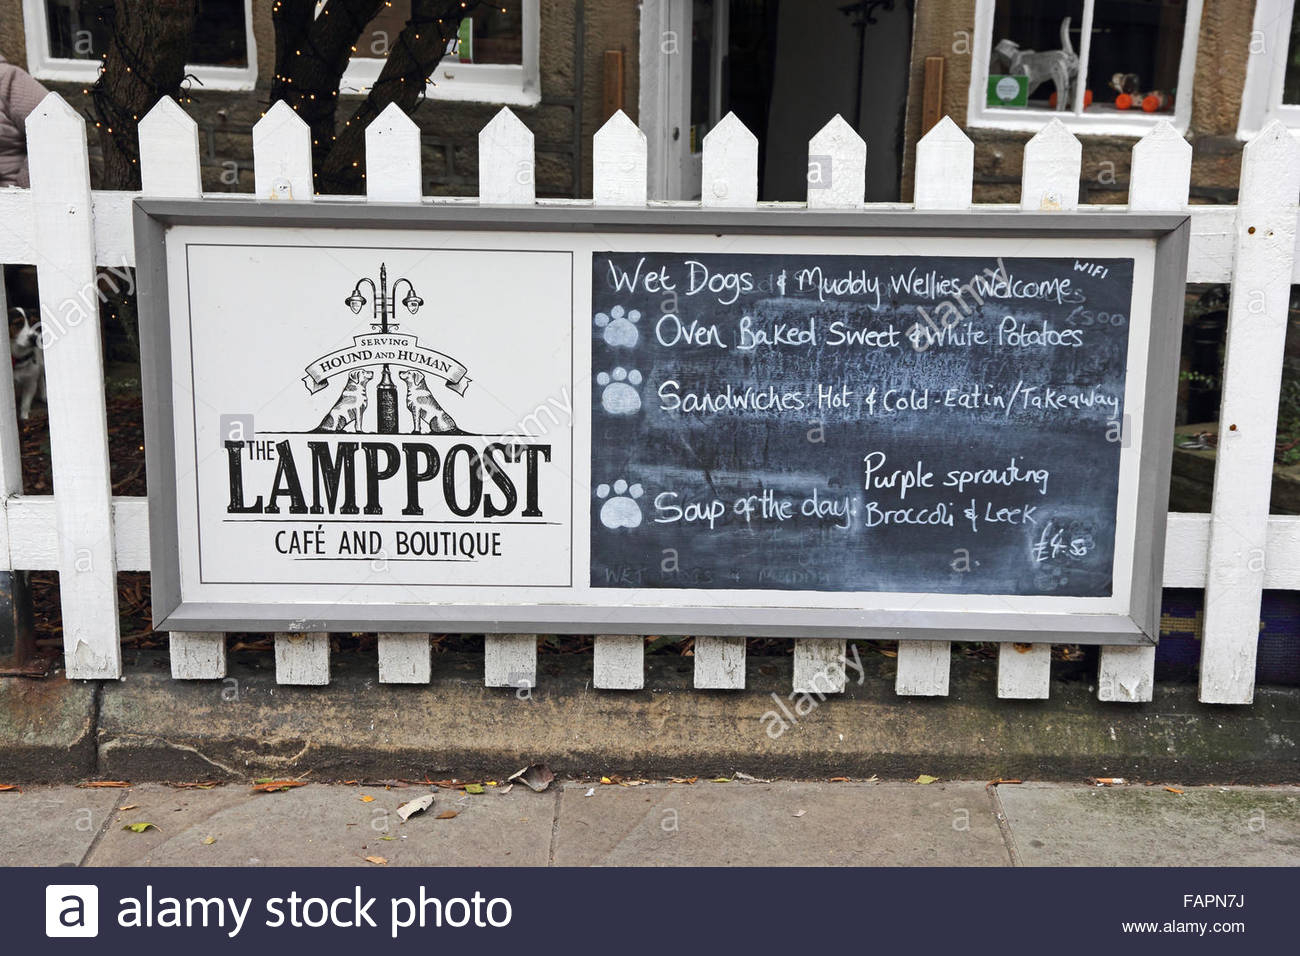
[[20, 94]]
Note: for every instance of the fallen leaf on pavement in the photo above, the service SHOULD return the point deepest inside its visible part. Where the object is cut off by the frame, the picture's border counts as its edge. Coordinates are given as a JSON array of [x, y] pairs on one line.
[[6, 787], [209, 840], [722, 780], [609, 780], [839, 780], [506, 789], [475, 788], [925, 778], [105, 783], [377, 860], [684, 779], [130, 806], [367, 798], [196, 785], [418, 805], [140, 827], [275, 786], [746, 778], [536, 777], [448, 815], [1173, 790], [1001, 780]]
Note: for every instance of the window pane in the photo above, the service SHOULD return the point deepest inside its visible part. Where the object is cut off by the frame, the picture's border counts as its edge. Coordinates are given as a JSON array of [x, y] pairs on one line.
[[80, 30], [1026, 34], [1291, 88], [701, 71], [1135, 51], [497, 34], [220, 37]]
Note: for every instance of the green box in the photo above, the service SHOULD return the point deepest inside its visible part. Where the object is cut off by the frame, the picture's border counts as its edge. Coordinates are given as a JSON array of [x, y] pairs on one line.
[[1008, 90]]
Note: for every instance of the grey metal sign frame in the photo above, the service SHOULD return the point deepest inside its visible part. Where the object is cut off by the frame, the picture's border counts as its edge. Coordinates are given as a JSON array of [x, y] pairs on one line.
[[1139, 625]]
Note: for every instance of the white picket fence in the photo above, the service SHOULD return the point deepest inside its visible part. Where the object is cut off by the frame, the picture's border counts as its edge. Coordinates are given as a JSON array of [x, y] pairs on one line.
[[87, 535]]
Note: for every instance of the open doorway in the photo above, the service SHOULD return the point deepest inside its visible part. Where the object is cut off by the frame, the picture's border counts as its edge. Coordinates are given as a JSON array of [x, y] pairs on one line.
[[784, 67]]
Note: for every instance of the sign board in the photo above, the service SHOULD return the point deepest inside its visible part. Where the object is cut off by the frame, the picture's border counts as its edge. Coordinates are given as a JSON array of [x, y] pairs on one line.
[[1007, 89], [665, 421]]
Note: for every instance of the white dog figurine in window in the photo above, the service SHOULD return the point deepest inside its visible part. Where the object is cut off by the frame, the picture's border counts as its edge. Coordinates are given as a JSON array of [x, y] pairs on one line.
[[1059, 66]]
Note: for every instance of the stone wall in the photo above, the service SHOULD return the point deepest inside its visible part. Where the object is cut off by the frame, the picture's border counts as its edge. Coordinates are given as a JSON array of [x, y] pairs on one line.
[[946, 28], [449, 131]]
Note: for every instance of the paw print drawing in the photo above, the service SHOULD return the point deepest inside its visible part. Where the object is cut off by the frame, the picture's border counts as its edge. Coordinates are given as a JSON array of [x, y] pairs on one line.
[[619, 326], [620, 510], [620, 395]]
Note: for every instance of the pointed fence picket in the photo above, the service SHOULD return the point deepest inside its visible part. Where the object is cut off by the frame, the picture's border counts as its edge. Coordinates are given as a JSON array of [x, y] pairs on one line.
[[837, 179], [730, 180], [618, 166], [505, 177], [282, 173], [1049, 182], [169, 168], [1252, 379], [74, 382], [86, 535], [393, 175], [1160, 180], [945, 172]]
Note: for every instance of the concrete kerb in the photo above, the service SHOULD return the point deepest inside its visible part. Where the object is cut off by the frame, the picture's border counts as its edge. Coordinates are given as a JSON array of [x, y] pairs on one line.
[[149, 727]]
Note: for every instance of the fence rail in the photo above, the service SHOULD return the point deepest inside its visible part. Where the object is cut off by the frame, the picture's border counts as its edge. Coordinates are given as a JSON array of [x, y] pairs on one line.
[[1234, 552]]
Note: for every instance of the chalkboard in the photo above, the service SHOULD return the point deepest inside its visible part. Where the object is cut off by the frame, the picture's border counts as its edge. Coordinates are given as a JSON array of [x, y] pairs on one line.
[[901, 423]]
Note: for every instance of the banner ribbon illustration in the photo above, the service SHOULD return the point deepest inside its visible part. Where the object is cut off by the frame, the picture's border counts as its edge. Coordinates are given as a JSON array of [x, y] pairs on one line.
[[390, 349]]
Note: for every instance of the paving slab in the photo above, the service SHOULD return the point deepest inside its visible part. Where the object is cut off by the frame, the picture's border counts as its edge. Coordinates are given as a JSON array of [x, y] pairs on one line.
[[778, 824], [52, 826], [1134, 825], [320, 825]]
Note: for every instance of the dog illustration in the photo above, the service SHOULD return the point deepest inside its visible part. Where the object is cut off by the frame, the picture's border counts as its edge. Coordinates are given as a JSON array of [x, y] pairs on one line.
[[28, 359], [427, 415], [1055, 65], [351, 405]]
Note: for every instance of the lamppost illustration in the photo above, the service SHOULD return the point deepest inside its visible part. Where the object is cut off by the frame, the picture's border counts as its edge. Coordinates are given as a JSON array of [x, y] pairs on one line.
[[384, 306]]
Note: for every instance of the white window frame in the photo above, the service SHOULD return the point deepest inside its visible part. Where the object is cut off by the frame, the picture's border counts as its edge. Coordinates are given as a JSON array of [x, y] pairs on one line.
[[1261, 97], [510, 84], [43, 66], [1126, 123]]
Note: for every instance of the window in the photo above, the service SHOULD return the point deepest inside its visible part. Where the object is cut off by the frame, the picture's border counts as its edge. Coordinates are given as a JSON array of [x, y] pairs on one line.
[[1137, 59], [66, 39], [495, 59], [1272, 90]]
